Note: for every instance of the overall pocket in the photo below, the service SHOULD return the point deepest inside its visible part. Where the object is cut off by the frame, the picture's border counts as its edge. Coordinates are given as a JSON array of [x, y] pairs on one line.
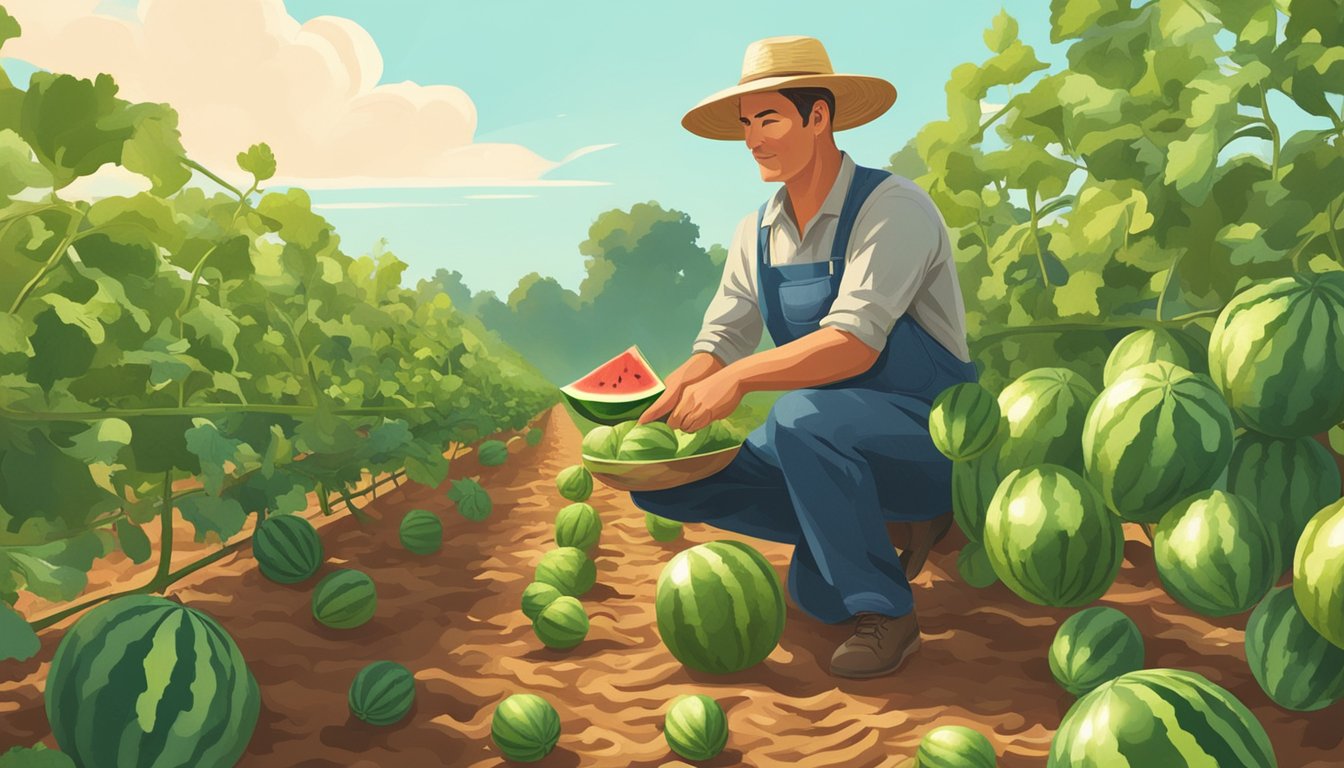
[[805, 302]]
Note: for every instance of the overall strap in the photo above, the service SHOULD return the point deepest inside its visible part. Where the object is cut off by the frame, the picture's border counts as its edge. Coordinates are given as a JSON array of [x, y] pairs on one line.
[[864, 182], [762, 251]]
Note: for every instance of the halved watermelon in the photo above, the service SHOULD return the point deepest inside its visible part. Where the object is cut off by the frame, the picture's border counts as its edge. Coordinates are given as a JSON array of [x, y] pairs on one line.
[[617, 390]]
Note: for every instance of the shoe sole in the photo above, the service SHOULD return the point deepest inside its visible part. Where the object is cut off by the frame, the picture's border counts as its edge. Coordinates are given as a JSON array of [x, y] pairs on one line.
[[909, 650]]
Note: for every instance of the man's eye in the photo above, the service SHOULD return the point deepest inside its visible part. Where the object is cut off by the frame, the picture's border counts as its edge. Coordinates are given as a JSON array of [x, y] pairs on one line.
[[767, 122]]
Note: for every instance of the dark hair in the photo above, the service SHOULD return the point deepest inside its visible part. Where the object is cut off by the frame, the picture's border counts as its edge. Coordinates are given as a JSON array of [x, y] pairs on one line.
[[804, 98]]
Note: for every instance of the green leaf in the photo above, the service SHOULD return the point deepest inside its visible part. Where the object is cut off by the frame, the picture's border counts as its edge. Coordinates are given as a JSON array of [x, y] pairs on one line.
[[279, 451], [293, 211], [18, 641], [101, 442], [18, 170], [47, 580], [425, 465], [214, 450], [133, 541], [473, 502], [1071, 18], [1337, 439], [74, 126], [36, 757], [60, 351], [155, 149], [211, 514], [1115, 54], [140, 218], [159, 443], [9, 28], [1002, 32], [259, 161]]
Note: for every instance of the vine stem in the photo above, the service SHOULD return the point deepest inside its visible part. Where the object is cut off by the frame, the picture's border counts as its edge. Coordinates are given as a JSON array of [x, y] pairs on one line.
[[1138, 322], [65, 245]]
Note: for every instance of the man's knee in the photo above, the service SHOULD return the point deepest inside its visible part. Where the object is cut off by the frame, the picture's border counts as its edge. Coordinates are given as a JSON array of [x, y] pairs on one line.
[[802, 412]]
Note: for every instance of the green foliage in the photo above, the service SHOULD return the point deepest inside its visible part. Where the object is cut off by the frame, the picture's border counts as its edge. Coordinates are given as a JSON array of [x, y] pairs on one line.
[[473, 501]]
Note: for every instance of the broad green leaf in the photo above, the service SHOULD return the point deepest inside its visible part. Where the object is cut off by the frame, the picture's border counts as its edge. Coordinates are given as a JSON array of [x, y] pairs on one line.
[[155, 149], [279, 451], [101, 442], [133, 541], [259, 161], [293, 211], [18, 170], [47, 580], [211, 514], [74, 126], [137, 219], [213, 324], [1002, 32], [36, 757], [60, 350], [1114, 54], [9, 28], [425, 465], [1072, 18], [159, 443], [18, 641], [472, 501], [214, 451]]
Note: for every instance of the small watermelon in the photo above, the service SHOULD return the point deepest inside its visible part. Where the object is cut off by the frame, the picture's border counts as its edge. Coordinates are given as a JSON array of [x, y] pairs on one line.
[[141, 680], [537, 596], [1150, 345], [661, 528], [720, 607], [654, 441], [973, 485], [601, 442], [287, 548], [1287, 480], [1050, 539], [1297, 667], [623, 429], [525, 727], [578, 525], [691, 443], [964, 420], [1160, 717], [1277, 354], [575, 483], [696, 727], [562, 624], [1092, 646], [421, 532], [533, 436], [382, 693], [1155, 436], [568, 569], [492, 453], [1215, 554], [1044, 410], [344, 599], [955, 746], [974, 567], [1318, 573]]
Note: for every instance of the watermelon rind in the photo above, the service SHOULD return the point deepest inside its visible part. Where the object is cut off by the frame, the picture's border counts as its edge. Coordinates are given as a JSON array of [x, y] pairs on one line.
[[1287, 480], [607, 408], [1215, 554], [1149, 345], [695, 727], [1160, 717], [955, 746], [1318, 573], [578, 525], [661, 528], [654, 441], [1044, 411], [568, 569], [1294, 665], [421, 532], [344, 599], [1092, 646], [525, 727], [382, 693], [142, 680], [536, 596], [287, 548], [562, 624], [575, 483], [964, 420]]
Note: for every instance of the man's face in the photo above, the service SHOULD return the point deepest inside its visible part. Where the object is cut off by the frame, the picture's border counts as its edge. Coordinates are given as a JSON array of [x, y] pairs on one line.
[[776, 136]]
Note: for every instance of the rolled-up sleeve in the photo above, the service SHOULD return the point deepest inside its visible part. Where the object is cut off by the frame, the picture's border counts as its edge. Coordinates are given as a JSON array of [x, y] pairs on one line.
[[732, 326], [894, 241]]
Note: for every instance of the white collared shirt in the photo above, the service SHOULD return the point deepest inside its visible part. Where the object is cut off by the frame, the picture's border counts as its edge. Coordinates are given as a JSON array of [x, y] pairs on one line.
[[899, 260]]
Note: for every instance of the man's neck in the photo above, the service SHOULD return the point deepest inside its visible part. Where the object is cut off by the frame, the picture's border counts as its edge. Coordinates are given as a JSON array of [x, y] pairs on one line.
[[807, 190]]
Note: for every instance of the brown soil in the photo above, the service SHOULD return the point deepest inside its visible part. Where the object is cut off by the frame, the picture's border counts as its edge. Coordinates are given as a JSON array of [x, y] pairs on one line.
[[453, 618]]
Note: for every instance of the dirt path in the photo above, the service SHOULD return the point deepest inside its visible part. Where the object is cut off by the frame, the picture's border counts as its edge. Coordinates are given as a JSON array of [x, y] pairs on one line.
[[453, 618]]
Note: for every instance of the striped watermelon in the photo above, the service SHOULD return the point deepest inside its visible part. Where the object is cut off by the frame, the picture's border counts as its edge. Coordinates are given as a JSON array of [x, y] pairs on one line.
[[1092, 646], [1297, 667], [578, 525], [568, 569], [1286, 480], [344, 599], [141, 680], [1155, 718], [525, 727], [973, 485], [1277, 354], [1318, 573], [287, 548], [601, 442], [1215, 554], [421, 532], [575, 483], [654, 441], [382, 693], [660, 528], [963, 421], [492, 453], [562, 623], [1050, 539], [955, 746], [1045, 410], [974, 566], [1150, 345], [696, 727], [1155, 436], [537, 596], [720, 607]]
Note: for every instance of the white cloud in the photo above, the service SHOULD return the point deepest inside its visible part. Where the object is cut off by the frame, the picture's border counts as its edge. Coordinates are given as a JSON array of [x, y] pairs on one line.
[[989, 108], [497, 197], [245, 71], [380, 205]]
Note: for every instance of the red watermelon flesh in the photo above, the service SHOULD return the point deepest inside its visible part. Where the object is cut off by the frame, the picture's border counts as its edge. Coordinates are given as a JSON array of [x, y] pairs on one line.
[[618, 390]]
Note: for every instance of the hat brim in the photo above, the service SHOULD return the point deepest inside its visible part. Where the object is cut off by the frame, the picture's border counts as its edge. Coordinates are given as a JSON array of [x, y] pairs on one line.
[[858, 99]]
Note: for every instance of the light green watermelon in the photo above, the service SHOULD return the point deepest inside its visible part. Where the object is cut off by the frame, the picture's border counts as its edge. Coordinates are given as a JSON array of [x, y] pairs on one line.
[[525, 727], [1297, 667], [691, 443], [575, 483], [1318, 573], [1287, 480], [1150, 345], [536, 596], [568, 569], [1092, 646], [1050, 539], [696, 727], [974, 566], [1160, 717], [1044, 411], [492, 453], [955, 746], [421, 532], [601, 442], [562, 623], [141, 680], [1277, 354], [287, 548], [720, 607], [344, 599], [1155, 436], [382, 693], [661, 528], [578, 525], [654, 441], [1215, 554], [622, 429], [964, 421]]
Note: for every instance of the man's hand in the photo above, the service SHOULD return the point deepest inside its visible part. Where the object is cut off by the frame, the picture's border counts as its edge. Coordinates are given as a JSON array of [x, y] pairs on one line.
[[709, 399]]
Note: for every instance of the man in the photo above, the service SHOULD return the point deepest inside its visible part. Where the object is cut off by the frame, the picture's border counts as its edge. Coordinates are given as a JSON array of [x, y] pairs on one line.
[[851, 271]]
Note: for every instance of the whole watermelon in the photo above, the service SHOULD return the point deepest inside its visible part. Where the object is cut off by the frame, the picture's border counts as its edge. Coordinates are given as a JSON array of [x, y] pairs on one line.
[[1297, 667], [720, 607], [648, 442], [1150, 345], [964, 420], [1277, 354], [141, 680], [534, 436], [492, 453], [578, 525], [696, 727], [691, 443], [421, 532], [974, 566], [562, 623], [955, 746], [525, 727], [575, 483], [661, 528], [1215, 554], [1318, 573], [382, 693], [973, 485], [287, 548], [1287, 480], [1050, 539], [1160, 717], [1044, 410], [568, 569], [344, 599], [1155, 436], [536, 596], [601, 442], [1092, 646]]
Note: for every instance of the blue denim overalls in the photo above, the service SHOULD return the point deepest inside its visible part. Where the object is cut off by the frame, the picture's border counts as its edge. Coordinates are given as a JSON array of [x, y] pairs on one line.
[[832, 463]]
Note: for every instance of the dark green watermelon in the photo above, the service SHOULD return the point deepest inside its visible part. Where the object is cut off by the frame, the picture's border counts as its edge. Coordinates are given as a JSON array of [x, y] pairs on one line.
[[287, 548], [382, 693], [344, 599]]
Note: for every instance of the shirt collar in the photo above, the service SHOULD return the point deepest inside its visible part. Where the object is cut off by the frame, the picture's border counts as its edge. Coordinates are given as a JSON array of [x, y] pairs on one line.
[[835, 199]]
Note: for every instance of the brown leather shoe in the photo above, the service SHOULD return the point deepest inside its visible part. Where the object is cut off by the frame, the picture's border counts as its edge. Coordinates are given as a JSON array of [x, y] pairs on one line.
[[924, 536], [879, 646]]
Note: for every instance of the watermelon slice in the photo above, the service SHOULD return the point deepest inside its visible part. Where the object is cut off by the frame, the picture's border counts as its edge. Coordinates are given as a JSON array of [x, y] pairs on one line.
[[617, 390]]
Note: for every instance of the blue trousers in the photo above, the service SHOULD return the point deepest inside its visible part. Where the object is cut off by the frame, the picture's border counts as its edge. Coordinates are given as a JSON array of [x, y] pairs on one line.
[[824, 473]]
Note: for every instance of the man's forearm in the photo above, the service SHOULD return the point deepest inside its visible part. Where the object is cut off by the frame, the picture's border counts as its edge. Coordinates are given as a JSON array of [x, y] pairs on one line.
[[827, 355]]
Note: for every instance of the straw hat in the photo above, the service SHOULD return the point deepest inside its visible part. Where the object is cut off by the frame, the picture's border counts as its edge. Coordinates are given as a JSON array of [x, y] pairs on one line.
[[790, 62]]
